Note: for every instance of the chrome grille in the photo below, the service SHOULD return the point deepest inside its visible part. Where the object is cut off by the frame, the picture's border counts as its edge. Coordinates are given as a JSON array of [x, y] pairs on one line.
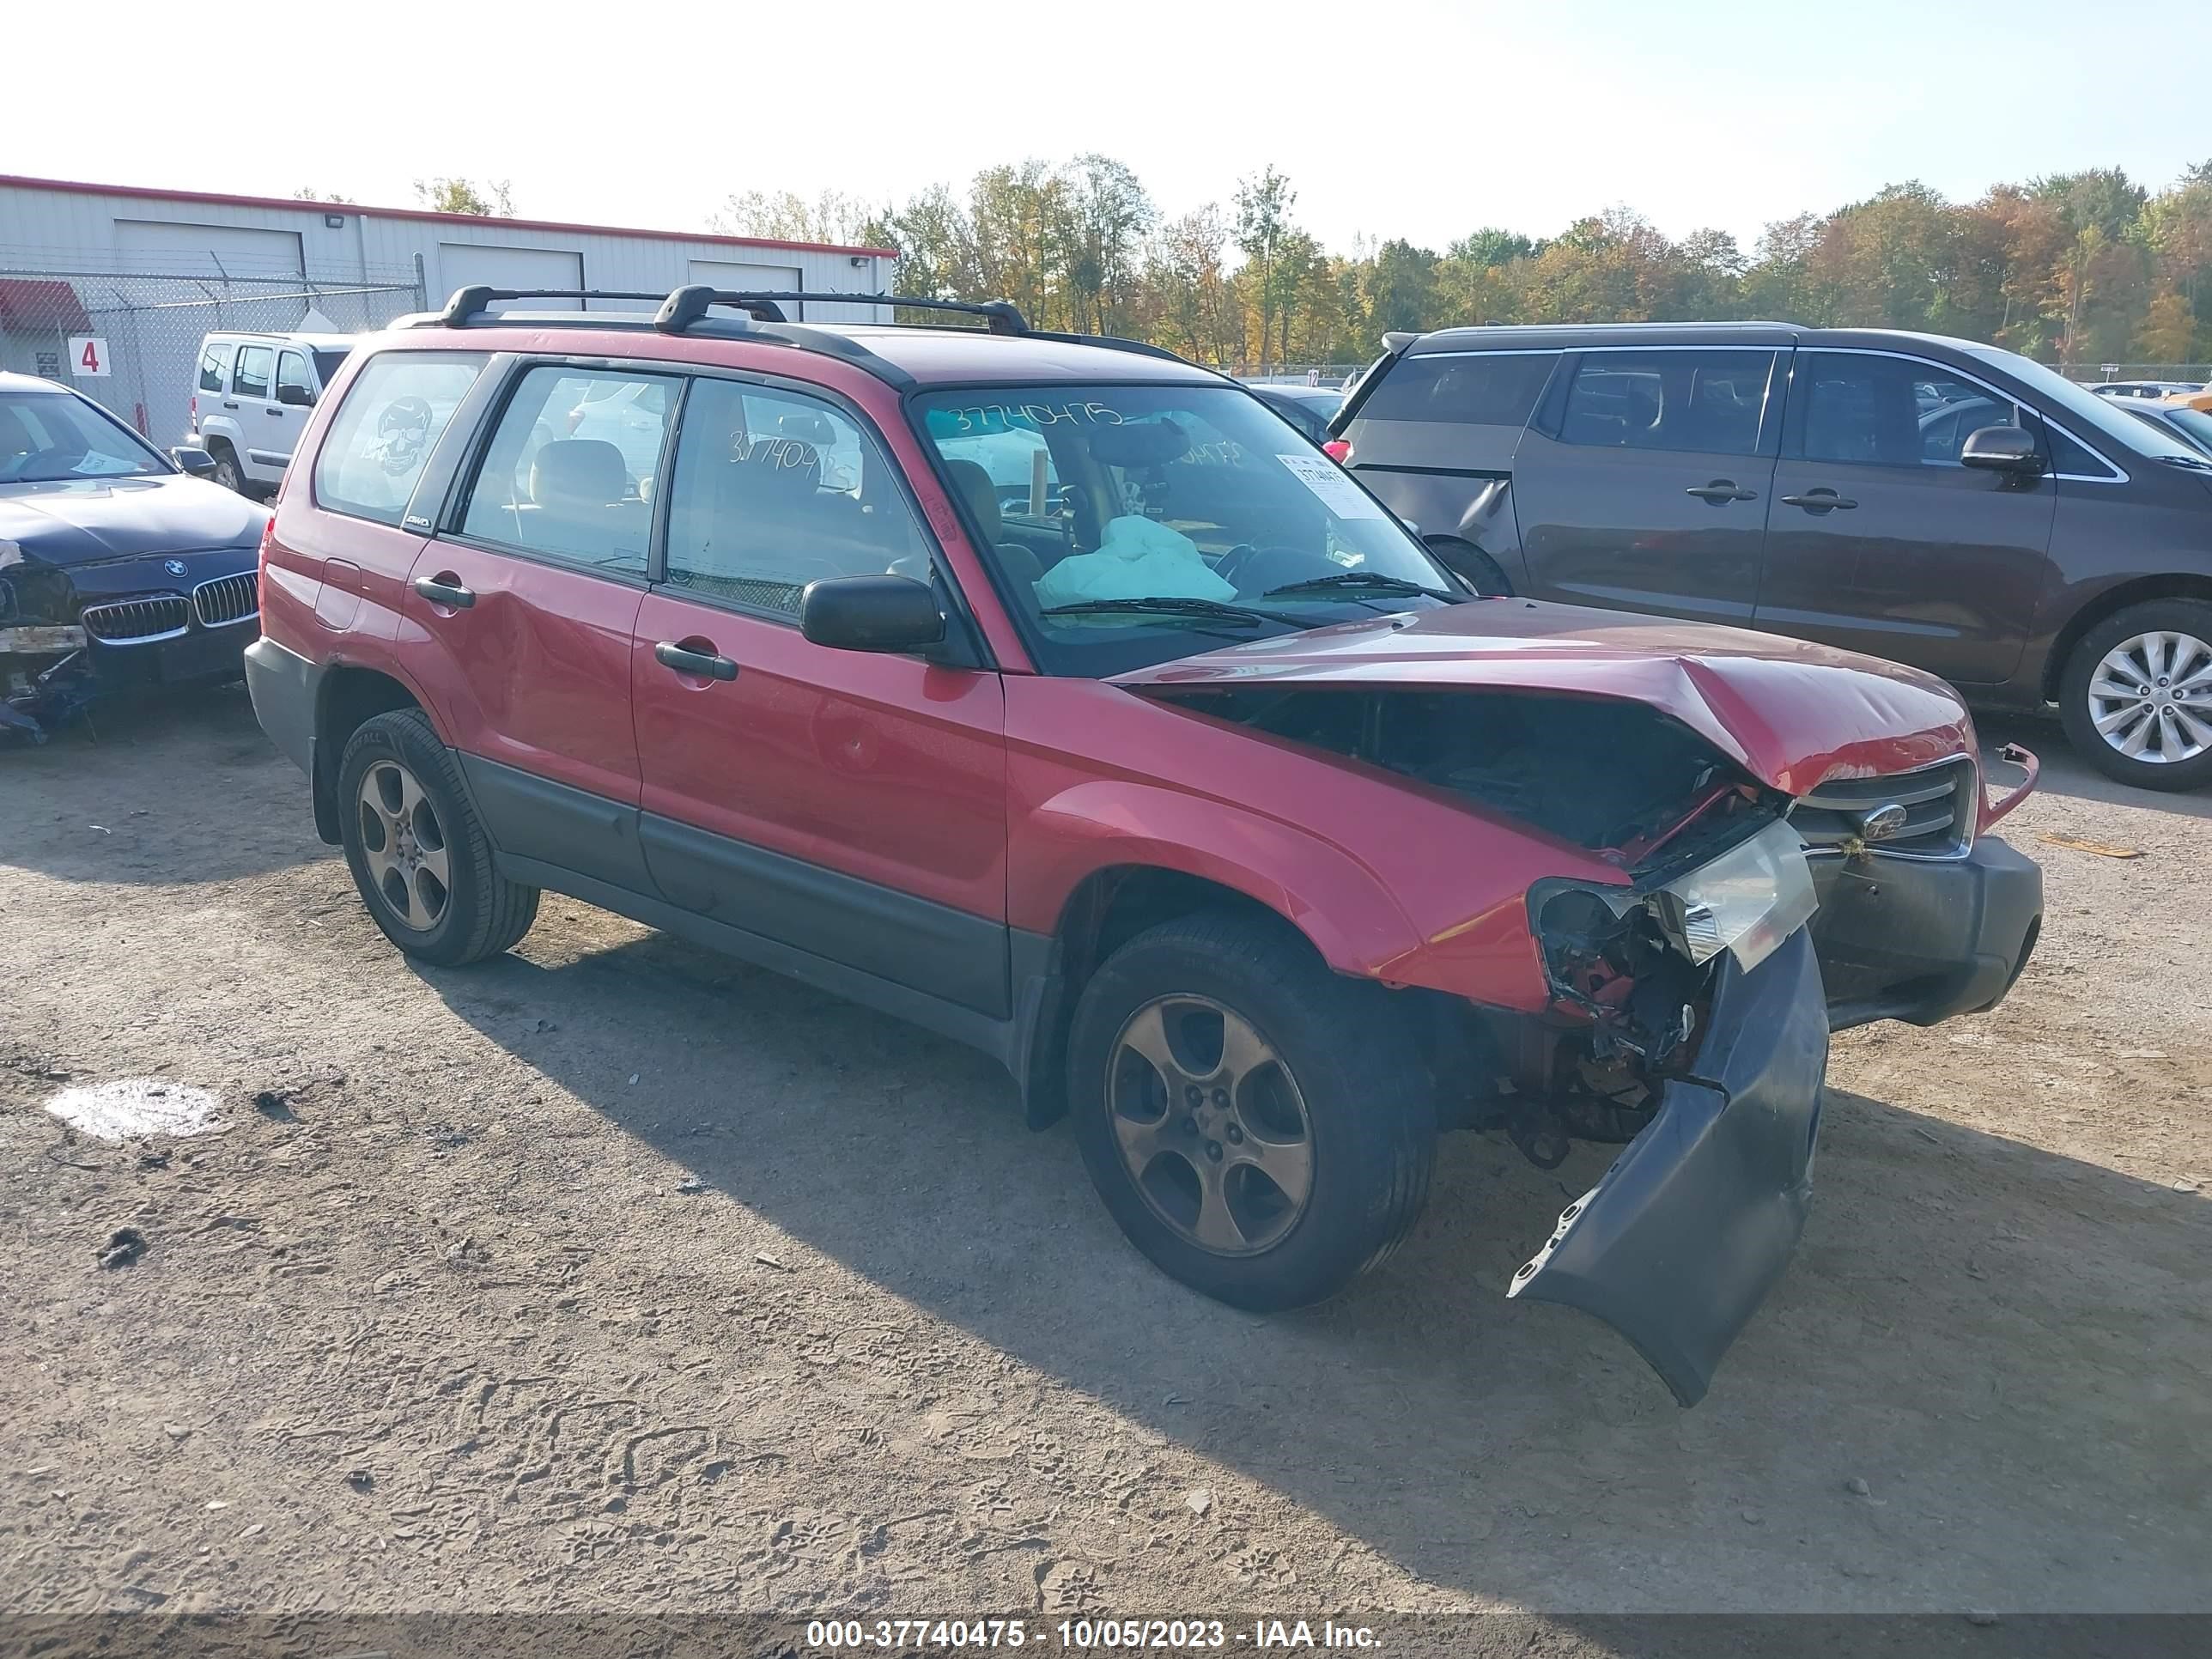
[[228, 599], [134, 621], [1938, 803]]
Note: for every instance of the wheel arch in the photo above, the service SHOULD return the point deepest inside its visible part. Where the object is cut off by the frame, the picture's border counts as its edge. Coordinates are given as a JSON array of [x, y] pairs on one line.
[[348, 695], [1112, 903], [2170, 585]]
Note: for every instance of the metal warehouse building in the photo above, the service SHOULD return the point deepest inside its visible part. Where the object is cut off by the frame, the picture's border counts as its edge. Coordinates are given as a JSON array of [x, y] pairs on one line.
[[145, 273]]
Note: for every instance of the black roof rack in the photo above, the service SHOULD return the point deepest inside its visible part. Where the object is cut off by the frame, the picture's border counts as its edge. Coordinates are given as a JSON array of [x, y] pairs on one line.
[[469, 303], [686, 306]]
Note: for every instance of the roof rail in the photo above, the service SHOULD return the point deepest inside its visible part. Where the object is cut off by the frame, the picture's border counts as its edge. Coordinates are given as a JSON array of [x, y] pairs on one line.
[[1115, 343], [468, 304], [686, 306]]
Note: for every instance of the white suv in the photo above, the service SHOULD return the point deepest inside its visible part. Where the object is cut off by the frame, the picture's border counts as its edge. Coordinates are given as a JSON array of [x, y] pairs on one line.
[[251, 399]]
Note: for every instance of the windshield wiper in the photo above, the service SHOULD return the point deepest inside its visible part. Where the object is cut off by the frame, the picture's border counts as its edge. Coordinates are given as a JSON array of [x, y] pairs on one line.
[[1367, 582], [1165, 605], [2194, 462]]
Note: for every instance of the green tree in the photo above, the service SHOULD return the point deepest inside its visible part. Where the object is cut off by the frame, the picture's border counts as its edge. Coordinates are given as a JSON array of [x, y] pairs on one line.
[[1263, 223], [1400, 289], [488, 200]]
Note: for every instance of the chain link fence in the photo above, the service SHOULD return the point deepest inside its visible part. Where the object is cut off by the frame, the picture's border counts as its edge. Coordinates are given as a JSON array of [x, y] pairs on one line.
[[131, 341], [2098, 373]]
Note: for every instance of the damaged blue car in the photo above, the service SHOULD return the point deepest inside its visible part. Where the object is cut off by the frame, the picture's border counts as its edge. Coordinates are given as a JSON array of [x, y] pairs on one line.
[[119, 569]]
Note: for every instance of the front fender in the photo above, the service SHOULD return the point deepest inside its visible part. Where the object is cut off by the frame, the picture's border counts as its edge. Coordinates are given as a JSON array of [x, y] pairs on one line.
[[1341, 906]]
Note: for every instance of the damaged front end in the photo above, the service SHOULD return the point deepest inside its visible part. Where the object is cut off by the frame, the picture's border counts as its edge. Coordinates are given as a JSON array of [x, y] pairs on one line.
[[45, 667], [1705, 1048]]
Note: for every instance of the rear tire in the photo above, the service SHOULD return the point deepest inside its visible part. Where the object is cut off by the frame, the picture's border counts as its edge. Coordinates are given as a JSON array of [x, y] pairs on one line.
[[1260, 1127], [420, 858], [228, 472], [2142, 678]]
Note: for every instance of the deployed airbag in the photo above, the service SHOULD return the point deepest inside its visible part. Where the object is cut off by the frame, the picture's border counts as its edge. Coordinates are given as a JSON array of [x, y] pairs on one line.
[[1136, 559]]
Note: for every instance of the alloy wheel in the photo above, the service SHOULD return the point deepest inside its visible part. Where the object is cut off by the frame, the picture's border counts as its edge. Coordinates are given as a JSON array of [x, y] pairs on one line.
[[404, 845], [1210, 1125], [2151, 697]]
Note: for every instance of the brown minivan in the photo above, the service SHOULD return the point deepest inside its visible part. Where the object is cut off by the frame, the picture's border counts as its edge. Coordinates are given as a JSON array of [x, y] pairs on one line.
[[1943, 504]]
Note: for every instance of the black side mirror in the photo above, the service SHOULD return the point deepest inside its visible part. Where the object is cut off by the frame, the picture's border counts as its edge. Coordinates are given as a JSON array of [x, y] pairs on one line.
[[194, 460], [871, 613], [2002, 449], [298, 396]]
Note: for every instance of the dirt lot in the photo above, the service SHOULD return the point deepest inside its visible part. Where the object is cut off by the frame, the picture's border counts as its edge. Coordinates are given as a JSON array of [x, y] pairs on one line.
[[614, 1275]]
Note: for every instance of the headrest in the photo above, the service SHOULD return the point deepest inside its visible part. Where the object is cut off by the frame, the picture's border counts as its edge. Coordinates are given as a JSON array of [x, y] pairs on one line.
[[979, 495], [578, 471]]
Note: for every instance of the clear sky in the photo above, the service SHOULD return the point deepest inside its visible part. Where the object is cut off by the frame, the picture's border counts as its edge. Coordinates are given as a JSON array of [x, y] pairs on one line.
[[1393, 118]]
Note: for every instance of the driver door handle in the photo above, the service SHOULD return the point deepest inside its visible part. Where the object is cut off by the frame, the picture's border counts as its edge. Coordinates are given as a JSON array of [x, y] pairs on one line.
[[1818, 501], [704, 664], [1722, 489], [450, 594]]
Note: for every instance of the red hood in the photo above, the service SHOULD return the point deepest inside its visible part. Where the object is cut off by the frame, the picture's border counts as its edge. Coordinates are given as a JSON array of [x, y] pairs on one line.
[[1792, 714]]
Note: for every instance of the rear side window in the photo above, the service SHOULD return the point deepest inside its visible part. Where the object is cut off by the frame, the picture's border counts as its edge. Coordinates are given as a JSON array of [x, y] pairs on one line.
[[250, 378], [1488, 388], [214, 359], [1710, 403], [570, 472], [393, 414]]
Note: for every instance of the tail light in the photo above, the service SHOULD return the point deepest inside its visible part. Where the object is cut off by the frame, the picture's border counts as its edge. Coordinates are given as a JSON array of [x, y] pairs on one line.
[[1338, 450], [195, 416]]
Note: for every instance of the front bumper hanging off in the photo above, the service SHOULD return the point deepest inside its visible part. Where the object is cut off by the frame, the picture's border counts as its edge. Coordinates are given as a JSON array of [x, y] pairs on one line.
[[1681, 1239]]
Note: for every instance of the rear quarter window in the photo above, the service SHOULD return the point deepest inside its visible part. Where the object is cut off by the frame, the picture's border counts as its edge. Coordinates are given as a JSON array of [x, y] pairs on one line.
[[214, 359], [394, 413], [1453, 409]]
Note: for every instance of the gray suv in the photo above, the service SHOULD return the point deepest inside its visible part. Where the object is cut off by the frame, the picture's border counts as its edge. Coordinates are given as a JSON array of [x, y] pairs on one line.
[[1946, 505]]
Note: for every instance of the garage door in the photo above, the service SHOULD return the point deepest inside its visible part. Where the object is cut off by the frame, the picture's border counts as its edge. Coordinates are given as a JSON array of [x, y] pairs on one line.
[[467, 264], [735, 278], [160, 248]]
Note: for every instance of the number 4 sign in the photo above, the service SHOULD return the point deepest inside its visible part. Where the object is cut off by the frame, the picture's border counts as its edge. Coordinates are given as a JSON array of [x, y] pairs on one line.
[[88, 354]]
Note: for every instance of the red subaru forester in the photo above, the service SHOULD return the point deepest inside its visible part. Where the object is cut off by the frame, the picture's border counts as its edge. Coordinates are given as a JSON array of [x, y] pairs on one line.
[[1053, 693]]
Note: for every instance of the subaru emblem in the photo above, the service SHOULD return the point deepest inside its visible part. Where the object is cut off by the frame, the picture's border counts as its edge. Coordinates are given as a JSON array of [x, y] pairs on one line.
[[175, 567], [1882, 823]]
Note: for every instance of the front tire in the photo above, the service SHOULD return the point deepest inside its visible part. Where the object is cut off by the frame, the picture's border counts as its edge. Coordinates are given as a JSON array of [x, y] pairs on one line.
[[2137, 696], [1260, 1127], [420, 858]]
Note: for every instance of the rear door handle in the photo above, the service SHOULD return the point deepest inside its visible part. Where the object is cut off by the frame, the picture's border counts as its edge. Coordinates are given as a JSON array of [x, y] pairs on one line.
[[450, 594], [704, 664], [1818, 501], [1722, 489], [229, 402]]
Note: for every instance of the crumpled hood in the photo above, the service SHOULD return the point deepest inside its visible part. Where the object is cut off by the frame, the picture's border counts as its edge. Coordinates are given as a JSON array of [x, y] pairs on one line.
[[83, 520], [1793, 714]]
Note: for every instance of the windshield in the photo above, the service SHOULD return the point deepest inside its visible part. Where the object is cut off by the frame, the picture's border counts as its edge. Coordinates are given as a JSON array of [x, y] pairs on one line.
[[2100, 416], [1135, 524], [328, 362], [2193, 424], [47, 436]]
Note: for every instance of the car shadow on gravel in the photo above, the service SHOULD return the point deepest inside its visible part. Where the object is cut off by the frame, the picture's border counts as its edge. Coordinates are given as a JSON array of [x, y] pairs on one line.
[[1984, 1368], [156, 789]]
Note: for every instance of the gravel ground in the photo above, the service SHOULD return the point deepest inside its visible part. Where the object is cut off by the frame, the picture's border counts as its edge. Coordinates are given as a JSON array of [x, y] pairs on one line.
[[615, 1276]]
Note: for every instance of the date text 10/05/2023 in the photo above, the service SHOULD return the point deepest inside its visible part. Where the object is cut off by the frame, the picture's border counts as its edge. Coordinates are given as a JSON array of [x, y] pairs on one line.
[[1127, 1635]]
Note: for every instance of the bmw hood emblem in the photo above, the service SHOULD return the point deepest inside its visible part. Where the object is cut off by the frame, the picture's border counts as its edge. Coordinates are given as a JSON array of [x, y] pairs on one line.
[[175, 567]]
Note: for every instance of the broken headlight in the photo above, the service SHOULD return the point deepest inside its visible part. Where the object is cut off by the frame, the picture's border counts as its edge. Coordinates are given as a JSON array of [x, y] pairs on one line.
[[1746, 902]]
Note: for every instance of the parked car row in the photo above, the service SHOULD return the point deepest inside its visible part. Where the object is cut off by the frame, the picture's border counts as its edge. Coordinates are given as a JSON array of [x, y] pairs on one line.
[[1057, 695], [1952, 507]]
